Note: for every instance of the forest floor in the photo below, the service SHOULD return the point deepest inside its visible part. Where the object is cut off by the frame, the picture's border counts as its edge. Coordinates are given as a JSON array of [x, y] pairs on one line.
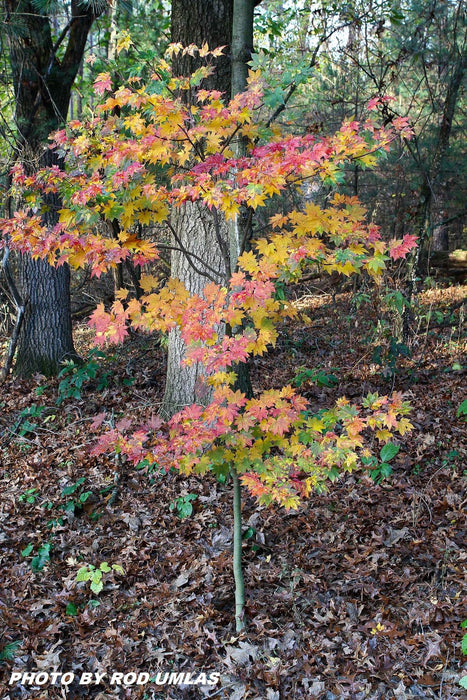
[[358, 594]]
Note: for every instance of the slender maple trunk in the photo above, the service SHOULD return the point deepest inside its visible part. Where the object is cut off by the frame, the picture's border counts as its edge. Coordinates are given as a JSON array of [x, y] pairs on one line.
[[239, 234], [42, 85], [240, 623]]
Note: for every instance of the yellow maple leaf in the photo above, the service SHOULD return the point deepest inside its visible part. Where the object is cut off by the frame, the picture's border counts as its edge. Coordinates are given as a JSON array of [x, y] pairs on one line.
[[278, 220], [77, 258], [66, 216], [204, 50], [230, 208], [148, 282], [144, 217], [123, 42], [404, 426], [383, 435], [247, 261]]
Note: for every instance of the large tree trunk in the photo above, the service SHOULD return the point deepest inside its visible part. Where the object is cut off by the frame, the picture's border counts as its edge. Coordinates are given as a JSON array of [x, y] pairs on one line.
[[45, 339], [42, 85], [193, 226], [431, 174], [196, 22]]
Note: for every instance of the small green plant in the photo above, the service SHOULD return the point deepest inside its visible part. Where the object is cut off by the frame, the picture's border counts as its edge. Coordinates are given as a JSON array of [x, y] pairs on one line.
[[41, 558], [8, 653], [89, 572], [464, 638], [463, 680], [71, 506], [360, 299], [75, 503], [451, 458], [24, 424], [150, 467], [71, 609], [75, 375], [462, 410], [383, 469], [183, 505], [314, 376], [396, 301], [29, 496], [388, 355]]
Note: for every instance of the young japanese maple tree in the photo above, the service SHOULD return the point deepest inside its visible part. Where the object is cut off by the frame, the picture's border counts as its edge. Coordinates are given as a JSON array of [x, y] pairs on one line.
[[145, 153]]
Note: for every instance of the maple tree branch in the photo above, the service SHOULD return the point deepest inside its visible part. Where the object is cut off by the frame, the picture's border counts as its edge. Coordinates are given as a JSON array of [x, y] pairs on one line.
[[188, 254], [223, 246]]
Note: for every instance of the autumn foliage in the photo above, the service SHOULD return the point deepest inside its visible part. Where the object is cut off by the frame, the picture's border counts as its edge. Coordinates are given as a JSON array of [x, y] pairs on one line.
[[144, 154]]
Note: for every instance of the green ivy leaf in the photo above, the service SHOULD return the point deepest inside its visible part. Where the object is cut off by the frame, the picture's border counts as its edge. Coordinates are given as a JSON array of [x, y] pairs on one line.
[[96, 587], [83, 574]]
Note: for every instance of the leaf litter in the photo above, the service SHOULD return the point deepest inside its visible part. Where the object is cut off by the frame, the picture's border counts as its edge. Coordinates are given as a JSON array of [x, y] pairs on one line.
[[359, 594]]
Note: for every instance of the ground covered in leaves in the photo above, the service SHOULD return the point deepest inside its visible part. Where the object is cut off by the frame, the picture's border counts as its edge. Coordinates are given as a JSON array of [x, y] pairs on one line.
[[359, 594]]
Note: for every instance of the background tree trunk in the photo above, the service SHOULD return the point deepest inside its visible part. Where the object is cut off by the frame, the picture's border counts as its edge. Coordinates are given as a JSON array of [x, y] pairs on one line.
[[42, 85], [431, 175], [196, 22], [194, 228]]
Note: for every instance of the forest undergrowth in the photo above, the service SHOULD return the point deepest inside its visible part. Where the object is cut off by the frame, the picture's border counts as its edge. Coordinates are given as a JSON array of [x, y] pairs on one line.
[[358, 594]]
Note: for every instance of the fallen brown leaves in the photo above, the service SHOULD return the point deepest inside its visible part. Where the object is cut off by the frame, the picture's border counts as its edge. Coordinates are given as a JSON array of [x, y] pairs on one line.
[[359, 594]]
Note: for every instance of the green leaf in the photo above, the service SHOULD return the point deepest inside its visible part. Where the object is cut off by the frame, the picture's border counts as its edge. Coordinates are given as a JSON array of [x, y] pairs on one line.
[[464, 644], [274, 99], [83, 574], [462, 410], [96, 587], [463, 682], [333, 474], [27, 550], [68, 490], [389, 451], [119, 569], [385, 470], [42, 557], [71, 609], [105, 567], [249, 533], [9, 650], [184, 509]]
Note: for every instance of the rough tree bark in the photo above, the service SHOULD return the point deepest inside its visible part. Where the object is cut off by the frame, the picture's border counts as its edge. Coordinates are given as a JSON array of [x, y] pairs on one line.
[[431, 174], [196, 22], [42, 85], [194, 229]]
